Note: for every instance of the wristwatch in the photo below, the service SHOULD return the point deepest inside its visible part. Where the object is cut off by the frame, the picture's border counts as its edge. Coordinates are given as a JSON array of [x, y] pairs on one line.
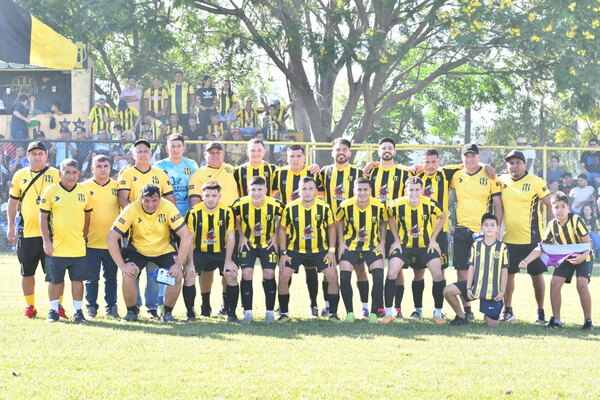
[[282, 253]]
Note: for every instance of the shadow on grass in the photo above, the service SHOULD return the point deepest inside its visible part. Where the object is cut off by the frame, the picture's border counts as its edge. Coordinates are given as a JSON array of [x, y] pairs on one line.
[[218, 328]]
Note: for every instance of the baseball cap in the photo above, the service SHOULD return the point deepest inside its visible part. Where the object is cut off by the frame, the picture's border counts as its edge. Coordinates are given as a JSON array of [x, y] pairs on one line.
[[248, 98], [515, 154], [276, 102], [141, 141], [102, 97], [36, 145], [470, 148], [214, 145]]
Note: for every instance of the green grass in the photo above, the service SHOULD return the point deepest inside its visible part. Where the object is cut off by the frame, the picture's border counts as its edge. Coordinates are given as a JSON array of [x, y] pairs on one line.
[[304, 359]]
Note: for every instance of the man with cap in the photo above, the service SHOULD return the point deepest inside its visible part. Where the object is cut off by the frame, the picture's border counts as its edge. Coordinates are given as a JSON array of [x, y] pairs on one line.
[[101, 117], [27, 186], [214, 170], [523, 194], [474, 193], [248, 116]]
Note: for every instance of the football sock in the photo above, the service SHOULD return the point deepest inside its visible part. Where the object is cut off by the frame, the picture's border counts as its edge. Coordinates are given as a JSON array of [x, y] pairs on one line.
[[77, 304], [325, 286], [346, 289], [399, 296], [438, 293], [30, 300], [284, 301], [246, 288], [205, 299], [312, 282], [363, 291], [390, 290], [377, 292], [270, 288], [189, 297], [231, 299], [54, 305], [418, 287]]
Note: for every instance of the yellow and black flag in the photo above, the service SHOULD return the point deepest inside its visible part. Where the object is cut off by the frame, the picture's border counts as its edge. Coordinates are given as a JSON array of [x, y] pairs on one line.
[[24, 39]]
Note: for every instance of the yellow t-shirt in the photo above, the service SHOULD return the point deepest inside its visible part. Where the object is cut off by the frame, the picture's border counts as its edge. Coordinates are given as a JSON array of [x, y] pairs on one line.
[[474, 197], [224, 175], [132, 179], [67, 210], [150, 234], [105, 204], [30, 205]]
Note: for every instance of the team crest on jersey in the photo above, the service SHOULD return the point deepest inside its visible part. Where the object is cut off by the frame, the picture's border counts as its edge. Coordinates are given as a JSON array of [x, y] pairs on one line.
[[162, 218], [362, 234], [257, 229], [496, 255], [483, 181], [307, 233], [383, 193], [526, 187], [428, 191], [187, 171], [294, 195], [81, 197], [210, 238], [415, 232], [155, 180], [338, 192], [113, 191], [48, 179]]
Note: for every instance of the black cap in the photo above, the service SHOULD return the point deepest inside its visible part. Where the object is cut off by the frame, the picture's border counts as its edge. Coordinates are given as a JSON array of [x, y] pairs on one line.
[[470, 148], [142, 141], [36, 146], [214, 145], [515, 154]]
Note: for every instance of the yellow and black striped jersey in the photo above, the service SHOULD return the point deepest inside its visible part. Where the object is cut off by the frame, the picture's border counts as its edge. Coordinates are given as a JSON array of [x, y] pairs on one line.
[[98, 115], [127, 117], [362, 225], [474, 194], [522, 198], [488, 262], [225, 101], [217, 130], [180, 95], [388, 183], [272, 128], [437, 187], [245, 172], [174, 129], [569, 233], [210, 228], [156, 98], [258, 223], [280, 114], [286, 182], [248, 117], [338, 184], [156, 128], [307, 228], [415, 224]]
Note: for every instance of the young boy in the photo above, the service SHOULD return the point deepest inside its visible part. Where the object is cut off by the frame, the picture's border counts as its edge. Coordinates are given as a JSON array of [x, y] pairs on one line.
[[487, 276], [567, 228]]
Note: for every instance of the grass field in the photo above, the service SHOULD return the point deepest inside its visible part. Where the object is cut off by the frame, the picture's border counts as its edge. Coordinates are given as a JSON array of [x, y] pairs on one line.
[[304, 359]]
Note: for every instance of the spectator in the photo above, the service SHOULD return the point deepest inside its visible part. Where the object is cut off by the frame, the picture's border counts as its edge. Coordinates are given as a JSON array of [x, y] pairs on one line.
[[103, 145], [124, 157], [127, 116], [589, 162], [566, 183], [41, 136], [154, 147], [155, 126], [180, 97], [485, 155], [528, 153], [236, 153], [117, 133], [19, 124], [216, 128], [591, 222], [553, 187], [7, 150], [206, 99], [83, 149], [174, 125], [271, 126], [132, 94], [63, 149], [227, 104], [20, 160], [101, 117], [191, 130], [248, 116], [280, 112], [56, 108], [553, 172], [280, 150], [581, 194], [157, 99]]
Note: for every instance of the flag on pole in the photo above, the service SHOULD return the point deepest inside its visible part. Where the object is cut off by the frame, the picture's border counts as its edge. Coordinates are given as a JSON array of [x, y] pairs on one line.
[[24, 39]]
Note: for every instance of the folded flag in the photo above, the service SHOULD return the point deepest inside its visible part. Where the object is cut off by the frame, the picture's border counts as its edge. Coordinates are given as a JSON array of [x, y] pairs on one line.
[[24, 39], [555, 254]]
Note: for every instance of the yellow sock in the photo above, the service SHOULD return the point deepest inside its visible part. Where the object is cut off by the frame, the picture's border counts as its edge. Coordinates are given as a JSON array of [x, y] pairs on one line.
[[60, 300], [30, 300]]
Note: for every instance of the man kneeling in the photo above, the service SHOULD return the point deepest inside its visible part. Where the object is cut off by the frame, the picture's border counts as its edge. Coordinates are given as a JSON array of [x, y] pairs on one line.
[[149, 222], [487, 276]]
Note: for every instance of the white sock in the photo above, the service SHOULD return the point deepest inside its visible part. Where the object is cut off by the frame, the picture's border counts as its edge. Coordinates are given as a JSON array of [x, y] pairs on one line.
[[437, 311], [326, 304], [54, 305], [365, 306], [557, 321], [388, 311], [77, 304], [248, 312], [270, 312], [419, 310]]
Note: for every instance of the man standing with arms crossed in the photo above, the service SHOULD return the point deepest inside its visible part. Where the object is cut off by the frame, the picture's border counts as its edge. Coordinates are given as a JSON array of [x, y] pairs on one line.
[[105, 209], [476, 194], [338, 184], [523, 194], [26, 189], [149, 221], [65, 211]]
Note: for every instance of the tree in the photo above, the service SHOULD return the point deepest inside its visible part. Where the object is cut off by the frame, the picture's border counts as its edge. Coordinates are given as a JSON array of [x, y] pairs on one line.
[[390, 50]]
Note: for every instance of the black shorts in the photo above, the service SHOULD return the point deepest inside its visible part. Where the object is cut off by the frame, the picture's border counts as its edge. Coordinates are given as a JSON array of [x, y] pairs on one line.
[[463, 240], [442, 241], [416, 258], [517, 253], [268, 257], [358, 256], [130, 254], [30, 253], [489, 307], [318, 260], [208, 261], [566, 270], [77, 267]]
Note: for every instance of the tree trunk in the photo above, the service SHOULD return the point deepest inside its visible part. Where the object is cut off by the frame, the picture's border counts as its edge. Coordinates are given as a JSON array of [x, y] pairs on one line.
[[467, 124]]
